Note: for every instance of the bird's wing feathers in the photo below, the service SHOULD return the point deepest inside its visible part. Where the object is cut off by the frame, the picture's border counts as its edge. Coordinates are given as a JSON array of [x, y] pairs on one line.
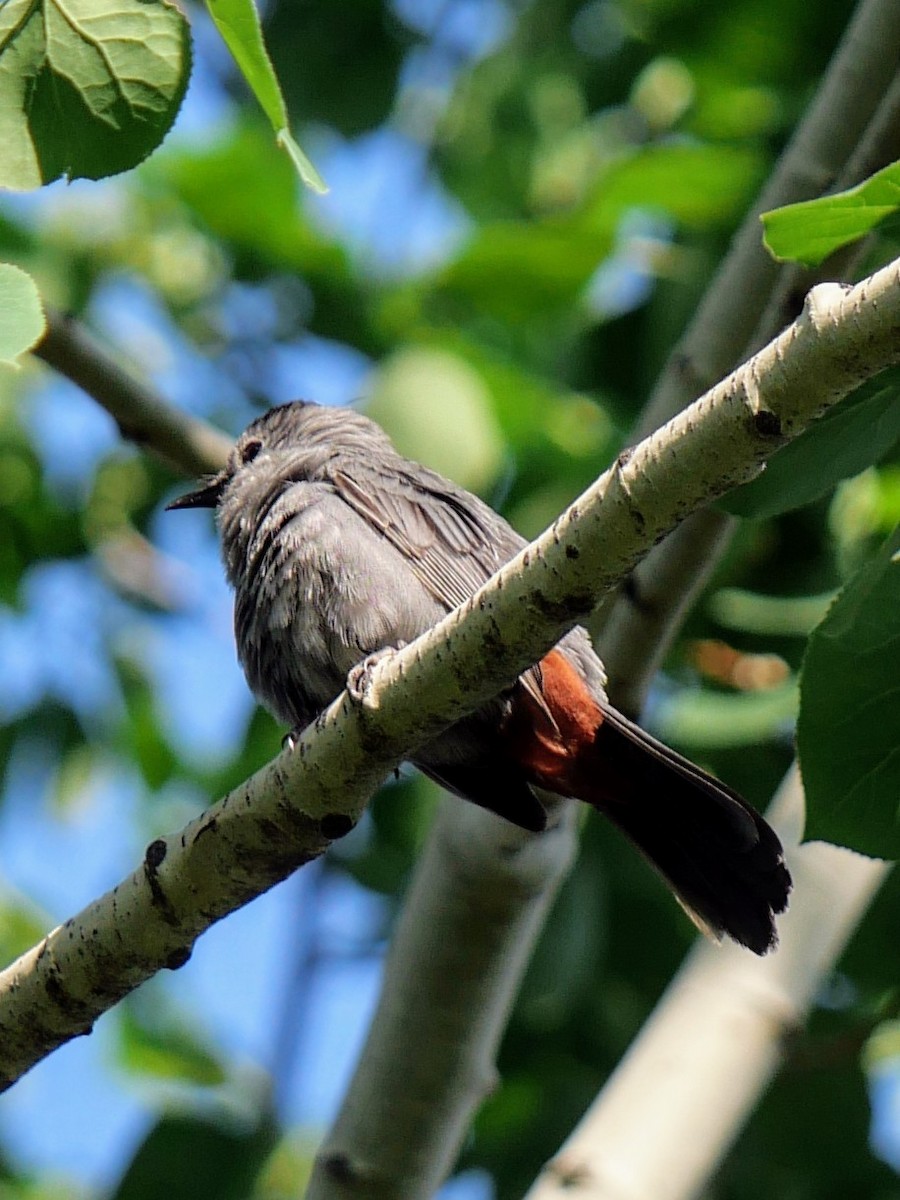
[[452, 546], [452, 541]]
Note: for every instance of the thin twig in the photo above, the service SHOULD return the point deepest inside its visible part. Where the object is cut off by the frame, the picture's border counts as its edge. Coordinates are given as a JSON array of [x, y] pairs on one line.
[[190, 446]]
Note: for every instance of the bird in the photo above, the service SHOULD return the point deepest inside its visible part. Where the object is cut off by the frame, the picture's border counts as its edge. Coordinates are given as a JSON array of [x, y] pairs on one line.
[[339, 548]]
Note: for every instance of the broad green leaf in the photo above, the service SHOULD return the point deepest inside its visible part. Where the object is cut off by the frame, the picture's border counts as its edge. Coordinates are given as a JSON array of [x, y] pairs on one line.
[[848, 732], [186, 1157], [850, 437], [238, 23], [21, 315], [808, 232], [86, 89]]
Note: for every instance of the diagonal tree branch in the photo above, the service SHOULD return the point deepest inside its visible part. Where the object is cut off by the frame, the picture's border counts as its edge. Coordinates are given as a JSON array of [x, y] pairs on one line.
[[185, 443], [453, 1003], [289, 810]]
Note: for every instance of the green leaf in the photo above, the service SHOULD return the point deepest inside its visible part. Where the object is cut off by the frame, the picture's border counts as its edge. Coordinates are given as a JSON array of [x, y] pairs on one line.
[[712, 720], [848, 438], [302, 164], [86, 90], [808, 232], [437, 409], [519, 270], [21, 315], [238, 23], [848, 733], [167, 1049], [778, 616], [186, 1157]]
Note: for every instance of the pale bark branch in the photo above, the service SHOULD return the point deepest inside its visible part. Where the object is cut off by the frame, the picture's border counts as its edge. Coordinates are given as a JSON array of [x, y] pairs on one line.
[[287, 812], [451, 995], [676, 1102]]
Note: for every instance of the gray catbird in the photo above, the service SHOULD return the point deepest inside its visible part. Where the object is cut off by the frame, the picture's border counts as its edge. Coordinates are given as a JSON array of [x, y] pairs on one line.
[[338, 547]]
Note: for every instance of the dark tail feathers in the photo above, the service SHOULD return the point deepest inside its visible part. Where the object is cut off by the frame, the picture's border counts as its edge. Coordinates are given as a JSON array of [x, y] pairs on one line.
[[722, 860]]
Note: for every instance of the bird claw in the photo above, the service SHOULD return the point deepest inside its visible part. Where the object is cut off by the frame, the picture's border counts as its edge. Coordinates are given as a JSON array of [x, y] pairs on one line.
[[292, 737], [359, 679]]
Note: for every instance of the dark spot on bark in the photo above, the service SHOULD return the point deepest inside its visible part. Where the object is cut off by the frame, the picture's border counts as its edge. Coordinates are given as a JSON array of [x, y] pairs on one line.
[[571, 1177], [178, 958], [209, 826], [635, 596], [682, 364], [573, 552], [155, 854], [153, 858], [271, 831], [574, 608], [335, 825], [55, 990], [623, 456], [339, 1167], [767, 424]]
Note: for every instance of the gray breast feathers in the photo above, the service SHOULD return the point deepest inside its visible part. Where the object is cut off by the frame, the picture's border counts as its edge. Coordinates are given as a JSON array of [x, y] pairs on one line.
[[319, 590]]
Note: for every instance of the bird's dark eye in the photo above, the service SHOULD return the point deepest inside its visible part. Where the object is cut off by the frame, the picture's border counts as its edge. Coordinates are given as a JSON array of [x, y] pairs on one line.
[[250, 450]]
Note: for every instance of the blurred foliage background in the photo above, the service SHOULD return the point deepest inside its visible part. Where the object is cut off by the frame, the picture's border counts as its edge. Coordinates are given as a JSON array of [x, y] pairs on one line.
[[526, 202]]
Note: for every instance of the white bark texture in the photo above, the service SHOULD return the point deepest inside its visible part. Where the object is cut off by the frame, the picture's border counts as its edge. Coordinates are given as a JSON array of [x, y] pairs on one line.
[[288, 811], [451, 996]]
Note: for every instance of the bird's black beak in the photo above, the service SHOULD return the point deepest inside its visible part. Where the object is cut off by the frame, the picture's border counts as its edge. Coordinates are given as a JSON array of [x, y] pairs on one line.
[[204, 497]]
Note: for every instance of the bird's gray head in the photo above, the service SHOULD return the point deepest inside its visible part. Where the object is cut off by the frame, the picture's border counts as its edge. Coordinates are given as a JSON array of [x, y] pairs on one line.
[[287, 444], [263, 481]]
